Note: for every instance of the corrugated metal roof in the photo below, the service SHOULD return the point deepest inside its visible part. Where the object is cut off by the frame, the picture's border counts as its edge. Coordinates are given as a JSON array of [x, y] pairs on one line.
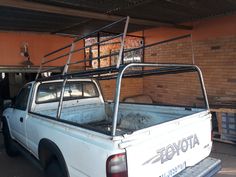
[[164, 11]]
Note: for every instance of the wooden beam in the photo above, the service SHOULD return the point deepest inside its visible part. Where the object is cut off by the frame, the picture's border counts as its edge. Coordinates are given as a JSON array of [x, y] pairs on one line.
[[84, 14]]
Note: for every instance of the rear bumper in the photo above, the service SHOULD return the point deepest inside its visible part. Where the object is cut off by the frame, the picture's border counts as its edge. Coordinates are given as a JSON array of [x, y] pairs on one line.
[[206, 168]]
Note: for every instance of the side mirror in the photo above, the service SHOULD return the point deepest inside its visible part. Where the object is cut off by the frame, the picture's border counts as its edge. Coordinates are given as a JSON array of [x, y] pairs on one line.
[[7, 104]]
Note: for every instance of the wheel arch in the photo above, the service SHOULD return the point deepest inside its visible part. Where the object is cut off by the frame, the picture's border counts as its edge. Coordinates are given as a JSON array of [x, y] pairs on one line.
[[48, 151]]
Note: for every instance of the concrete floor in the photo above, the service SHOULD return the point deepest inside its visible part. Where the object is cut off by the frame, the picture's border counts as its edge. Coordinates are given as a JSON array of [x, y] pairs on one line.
[[16, 167], [227, 154], [21, 167]]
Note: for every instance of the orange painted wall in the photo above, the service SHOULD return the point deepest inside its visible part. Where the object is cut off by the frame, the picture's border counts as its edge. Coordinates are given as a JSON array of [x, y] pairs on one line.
[[39, 45]]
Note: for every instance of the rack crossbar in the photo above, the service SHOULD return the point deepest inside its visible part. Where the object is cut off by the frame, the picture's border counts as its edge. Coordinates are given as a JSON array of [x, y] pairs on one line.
[[83, 73], [134, 49], [159, 71], [85, 47], [86, 35], [51, 69]]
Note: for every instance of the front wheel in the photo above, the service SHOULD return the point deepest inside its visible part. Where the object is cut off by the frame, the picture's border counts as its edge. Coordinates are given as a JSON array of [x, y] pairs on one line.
[[8, 141], [54, 169]]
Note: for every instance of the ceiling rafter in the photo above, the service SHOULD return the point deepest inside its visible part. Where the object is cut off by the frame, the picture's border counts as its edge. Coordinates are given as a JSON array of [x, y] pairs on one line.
[[128, 5], [85, 14]]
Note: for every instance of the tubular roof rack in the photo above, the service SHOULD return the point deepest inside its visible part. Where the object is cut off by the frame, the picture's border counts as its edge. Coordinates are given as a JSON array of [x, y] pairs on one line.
[[54, 54], [100, 72], [111, 72]]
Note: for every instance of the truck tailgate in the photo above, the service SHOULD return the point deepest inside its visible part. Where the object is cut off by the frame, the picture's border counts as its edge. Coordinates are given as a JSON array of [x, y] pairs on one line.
[[167, 149]]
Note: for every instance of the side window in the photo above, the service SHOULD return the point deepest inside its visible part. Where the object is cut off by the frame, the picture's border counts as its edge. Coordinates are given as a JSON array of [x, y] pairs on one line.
[[22, 98]]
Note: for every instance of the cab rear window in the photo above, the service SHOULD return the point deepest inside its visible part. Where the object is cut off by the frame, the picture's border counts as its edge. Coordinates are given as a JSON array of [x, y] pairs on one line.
[[51, 92]]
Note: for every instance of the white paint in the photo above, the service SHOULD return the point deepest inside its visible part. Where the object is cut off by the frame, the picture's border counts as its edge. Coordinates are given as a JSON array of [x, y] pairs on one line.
[[86, 151]]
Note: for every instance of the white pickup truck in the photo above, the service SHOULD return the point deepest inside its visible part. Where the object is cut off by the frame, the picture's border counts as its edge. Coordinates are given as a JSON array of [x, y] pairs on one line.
[[80, 135]]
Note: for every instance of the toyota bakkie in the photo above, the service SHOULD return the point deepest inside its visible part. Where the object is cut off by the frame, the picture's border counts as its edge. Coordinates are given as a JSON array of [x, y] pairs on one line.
[[68, 128]]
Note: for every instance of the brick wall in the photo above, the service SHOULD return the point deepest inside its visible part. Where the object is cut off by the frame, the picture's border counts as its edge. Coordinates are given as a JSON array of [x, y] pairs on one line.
[[178, 89], [129, 87], [217, 59], [214, 46]]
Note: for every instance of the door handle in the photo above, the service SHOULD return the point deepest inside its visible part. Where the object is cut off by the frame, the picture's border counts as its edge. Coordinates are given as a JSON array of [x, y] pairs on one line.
[[21, 119]]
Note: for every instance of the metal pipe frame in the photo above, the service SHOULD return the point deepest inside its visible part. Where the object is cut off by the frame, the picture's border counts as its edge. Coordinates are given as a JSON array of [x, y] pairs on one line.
[[95, 58], [78, 39], [114, 54], [98, 46], [68, 60], [50, 69], [86, 73], [109, 55], [85, 47], [86, 35], [123, 43], [119, 79], [141, 73], [129, 35], [134, 49], [61, 99], [64, 82], [40, 68]]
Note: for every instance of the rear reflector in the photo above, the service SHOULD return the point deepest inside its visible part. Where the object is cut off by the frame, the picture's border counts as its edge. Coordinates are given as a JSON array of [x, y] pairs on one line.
[[116, 166]]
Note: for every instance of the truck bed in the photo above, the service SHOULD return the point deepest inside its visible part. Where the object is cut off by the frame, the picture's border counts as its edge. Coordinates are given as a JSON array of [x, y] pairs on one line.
[[131, 117]]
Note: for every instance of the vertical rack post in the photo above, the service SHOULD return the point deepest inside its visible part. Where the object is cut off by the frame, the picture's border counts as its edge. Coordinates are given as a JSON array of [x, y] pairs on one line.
[[122, 43], [64, 82], [85, 64], [55, 55], [143, 38], [69, 59], [40, 68], [200, 75], [98, 46], [61, 99]]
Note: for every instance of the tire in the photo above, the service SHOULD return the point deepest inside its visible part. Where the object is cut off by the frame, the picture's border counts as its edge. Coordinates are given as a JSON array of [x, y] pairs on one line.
[[54, 169], [0, 125], [8, 141]]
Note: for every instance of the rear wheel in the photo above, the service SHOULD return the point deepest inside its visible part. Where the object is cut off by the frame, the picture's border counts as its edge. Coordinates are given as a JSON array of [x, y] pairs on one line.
[[54, 169], [8, 141]]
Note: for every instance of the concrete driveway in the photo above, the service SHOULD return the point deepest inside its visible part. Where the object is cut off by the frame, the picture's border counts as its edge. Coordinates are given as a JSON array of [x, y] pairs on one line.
[[227, 154], [17, 166], [21, 167]]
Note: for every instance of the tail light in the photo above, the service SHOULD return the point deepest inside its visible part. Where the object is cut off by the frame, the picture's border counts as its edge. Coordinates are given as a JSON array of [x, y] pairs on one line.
[[116, 166]]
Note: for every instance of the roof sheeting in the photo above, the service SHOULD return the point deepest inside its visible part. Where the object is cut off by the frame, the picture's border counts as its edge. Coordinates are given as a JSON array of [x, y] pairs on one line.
[[82, 16]]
